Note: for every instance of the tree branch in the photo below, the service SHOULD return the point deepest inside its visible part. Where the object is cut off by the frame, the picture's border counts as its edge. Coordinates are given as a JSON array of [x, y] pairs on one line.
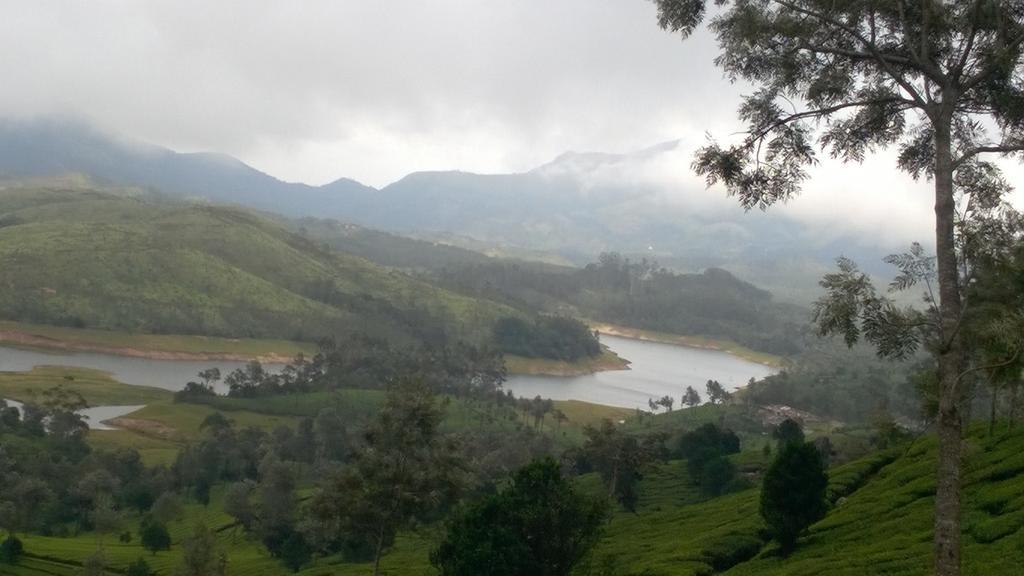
[[968, 45], [981, 76], [819, 112], [870, 46], [1007, 362], [992, 149]]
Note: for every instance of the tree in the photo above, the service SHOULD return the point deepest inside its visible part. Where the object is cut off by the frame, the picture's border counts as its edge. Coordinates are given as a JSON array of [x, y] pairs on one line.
[[716, 392], [295, 552], [95, 564], [618, 458], [691, 397], [793, 493], [139, 568], [200, 556], [668, 402], [166, 508], [405, 471], [938, 79], [539, 525], [11, 550], [276, 494], [788, 432], [995, 321], [717, 475], [238, 503], [154, 536], [705, 450]]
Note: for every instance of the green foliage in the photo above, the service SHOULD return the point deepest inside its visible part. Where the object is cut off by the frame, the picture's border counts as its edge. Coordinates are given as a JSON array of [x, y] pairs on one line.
[[554, 337], [638, 294], [295, 552], [139, 568], [538, 525], [788, 432], [90, 259], [705, 450], [717, 475], [405, 471], [793, 492], [618, 458], [11, 550], [154, 536], [829, 380], [200, 554]]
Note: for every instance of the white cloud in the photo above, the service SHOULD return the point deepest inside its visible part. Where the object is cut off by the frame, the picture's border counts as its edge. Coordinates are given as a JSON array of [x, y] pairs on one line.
[[316, 90]]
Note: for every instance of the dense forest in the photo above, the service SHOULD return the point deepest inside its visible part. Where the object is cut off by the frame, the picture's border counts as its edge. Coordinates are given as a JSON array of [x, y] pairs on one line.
[[639, 294]]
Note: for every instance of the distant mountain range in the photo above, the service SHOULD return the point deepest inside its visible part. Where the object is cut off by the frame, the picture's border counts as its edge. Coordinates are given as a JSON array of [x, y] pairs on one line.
[[574, 207]]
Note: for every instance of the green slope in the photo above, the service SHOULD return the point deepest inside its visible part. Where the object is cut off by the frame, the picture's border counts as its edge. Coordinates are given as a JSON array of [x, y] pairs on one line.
[[881, 525], [100, 260]]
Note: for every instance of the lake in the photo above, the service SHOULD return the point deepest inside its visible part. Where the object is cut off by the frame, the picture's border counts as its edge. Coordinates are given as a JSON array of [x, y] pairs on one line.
[[656, 370]]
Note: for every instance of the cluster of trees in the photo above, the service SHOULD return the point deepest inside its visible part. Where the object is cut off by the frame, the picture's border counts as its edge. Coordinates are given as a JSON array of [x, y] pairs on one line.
[[54, 484], [400, 470], [554, 337], [361, 362], [847, 385], [619, 459], [637, 293], [716, 394], [707, 451]]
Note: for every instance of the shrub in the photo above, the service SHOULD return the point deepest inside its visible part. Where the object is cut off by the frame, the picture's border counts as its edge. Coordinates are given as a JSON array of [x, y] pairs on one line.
[[139, 568], [11, 550]]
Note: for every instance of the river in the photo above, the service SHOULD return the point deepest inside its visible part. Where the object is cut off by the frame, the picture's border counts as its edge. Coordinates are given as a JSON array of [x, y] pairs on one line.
[[656, 370]]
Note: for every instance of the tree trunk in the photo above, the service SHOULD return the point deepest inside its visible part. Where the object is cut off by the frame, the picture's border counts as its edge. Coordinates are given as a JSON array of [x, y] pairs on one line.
[[1013, 403], [950, 358], [992, 410], [378, 551]]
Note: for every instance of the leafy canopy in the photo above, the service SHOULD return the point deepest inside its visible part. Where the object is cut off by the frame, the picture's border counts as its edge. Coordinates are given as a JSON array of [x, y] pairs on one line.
[[857, 76], [539, 525]]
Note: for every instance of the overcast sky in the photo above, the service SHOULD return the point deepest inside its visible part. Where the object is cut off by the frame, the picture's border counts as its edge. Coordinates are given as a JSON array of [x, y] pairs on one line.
[[374, 89]]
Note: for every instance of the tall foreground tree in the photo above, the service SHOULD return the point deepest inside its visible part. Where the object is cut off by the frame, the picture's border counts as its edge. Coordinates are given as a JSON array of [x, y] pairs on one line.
[[940, 80], [406, 471]]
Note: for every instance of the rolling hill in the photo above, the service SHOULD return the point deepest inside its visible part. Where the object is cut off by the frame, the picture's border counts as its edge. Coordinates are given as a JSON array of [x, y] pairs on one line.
[[82, 257], [570, 209]]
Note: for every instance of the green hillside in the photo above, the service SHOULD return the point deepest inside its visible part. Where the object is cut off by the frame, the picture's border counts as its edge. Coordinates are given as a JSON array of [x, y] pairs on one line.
[[89, 258], [879, 524]]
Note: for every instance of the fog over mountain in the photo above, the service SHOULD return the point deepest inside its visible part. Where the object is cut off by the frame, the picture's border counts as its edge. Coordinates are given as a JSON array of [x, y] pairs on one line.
[[644, 204]]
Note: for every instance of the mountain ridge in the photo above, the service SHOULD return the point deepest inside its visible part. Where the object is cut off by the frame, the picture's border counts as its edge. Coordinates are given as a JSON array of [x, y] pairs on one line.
[[574, 207]]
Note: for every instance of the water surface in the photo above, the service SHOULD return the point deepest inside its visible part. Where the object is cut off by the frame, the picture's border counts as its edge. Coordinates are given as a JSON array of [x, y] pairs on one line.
[[95, 415], [167, 374], [657, 370]]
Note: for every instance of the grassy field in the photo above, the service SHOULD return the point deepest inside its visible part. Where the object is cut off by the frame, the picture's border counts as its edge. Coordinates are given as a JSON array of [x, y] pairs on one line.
[[95, 386]]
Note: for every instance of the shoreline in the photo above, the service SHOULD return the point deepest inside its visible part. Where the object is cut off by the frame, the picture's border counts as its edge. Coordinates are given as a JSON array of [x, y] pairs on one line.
[[28, 340], [697, 342], [608, 361], [77, 340]]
